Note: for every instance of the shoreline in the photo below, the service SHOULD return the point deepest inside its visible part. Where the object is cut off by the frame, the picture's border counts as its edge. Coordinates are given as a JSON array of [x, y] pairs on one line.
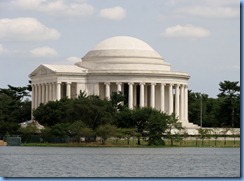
[[120, 146]]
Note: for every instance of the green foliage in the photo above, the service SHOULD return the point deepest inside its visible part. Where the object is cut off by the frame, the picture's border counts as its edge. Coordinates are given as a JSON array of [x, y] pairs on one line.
[[90, 116], [203, 134], [216, 112], [230, 103], [175, 127], [60, 129], [106, 131], [9, 127], [14, 104], [27, 131], [157, 124]]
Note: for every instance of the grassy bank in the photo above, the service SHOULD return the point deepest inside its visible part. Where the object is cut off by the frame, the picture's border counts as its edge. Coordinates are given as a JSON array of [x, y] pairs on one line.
[[133, 144]]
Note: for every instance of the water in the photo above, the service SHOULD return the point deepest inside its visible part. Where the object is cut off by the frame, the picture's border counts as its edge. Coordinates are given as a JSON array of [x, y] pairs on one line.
[[119, 162]]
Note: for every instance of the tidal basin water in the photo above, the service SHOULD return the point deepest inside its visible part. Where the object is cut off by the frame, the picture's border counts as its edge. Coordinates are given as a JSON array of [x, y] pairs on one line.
[[119, 162]]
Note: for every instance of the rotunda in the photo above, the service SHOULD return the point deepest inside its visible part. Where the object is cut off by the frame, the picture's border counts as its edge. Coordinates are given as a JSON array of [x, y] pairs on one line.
[[118, 64]]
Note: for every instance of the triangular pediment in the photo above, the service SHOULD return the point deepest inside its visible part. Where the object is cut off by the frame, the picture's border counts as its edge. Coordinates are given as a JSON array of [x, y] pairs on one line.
[[41, 70], [46, 69]]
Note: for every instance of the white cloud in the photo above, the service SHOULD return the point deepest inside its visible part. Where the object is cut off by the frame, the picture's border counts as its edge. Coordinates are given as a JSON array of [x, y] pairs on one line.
[[217, 9], [26, 29], [211, 11], [44, 52], [188, 30], [76, 9], [74, 59], [115, 13], [2, 49]]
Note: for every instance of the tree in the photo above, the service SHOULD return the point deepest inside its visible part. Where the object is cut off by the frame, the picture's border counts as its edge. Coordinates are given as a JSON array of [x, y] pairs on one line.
[[140, 118], [60, 129], [157, 124], [88, 133], [128, 133], [204, 133], [197, 103], [216, 134], [230, 96], [116, 100], [173, 125], [27, 131], [51, 113], [106, 131], [14, 104], [8, 128]]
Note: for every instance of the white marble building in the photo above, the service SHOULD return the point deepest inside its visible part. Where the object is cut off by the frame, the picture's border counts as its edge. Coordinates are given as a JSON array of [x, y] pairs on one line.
[[119, 63]]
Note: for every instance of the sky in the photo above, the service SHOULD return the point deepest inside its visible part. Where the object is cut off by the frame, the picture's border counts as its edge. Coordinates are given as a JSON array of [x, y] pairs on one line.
[[201, 38]]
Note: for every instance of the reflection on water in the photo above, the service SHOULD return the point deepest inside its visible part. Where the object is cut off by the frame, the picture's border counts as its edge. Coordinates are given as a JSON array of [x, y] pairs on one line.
[[119, 162]]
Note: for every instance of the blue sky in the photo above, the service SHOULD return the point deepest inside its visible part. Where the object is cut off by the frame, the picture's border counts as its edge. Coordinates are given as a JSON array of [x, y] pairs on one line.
[[201, 38]]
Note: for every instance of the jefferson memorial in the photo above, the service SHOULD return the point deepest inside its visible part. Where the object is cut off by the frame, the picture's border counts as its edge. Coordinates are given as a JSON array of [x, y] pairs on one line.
[[118, 64]]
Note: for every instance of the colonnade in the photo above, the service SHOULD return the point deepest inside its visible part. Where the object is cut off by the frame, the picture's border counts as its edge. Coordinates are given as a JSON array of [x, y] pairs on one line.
[[167, 97], [172, 98], [44, 92]]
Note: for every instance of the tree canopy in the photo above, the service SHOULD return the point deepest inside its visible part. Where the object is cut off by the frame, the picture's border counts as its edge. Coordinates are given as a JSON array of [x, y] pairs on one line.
[[89, 115]]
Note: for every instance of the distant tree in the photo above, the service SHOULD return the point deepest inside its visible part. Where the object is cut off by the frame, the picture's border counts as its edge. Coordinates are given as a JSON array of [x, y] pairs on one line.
[[117, 100], [88, 133], [234, 134], [128, 133], [46, 133], [195, 100], [216, 134], [140, 118], [27, 131], [173, 125], [76, 128], [14, 104], [224, 133], [157, 124], [51, 113], [204, 133], [124, 119], [230, 106], [106, 131], [60, 130], [8, 127]]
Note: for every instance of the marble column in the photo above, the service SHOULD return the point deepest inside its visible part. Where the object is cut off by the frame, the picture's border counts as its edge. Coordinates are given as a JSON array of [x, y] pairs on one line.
[[58, 91], [134, 94], [50, 86], [39, 95], [68, 88], [186, 103], [33, 97], [107, 90], [119, 84], [177, 101], [182, 102], [78, 89], [43, 93], [142, 96], [171, 105], [36, 96], [46, 92], [152, 98], [54, 91], [130, 101], [162, 108]]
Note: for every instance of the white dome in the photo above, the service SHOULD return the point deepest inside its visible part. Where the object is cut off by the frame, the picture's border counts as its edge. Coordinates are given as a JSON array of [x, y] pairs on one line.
[[123, 53], [122, 43], [122, 46]]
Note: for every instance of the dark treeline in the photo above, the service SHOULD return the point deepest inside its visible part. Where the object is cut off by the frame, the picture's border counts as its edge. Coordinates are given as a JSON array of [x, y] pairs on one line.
[[223, 111], [89, 116]]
